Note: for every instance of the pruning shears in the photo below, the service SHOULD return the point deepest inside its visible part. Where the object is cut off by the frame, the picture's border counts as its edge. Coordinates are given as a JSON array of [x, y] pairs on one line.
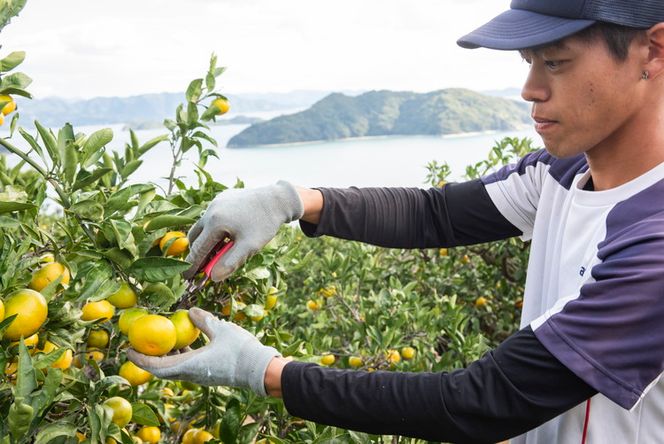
[[195, 284]]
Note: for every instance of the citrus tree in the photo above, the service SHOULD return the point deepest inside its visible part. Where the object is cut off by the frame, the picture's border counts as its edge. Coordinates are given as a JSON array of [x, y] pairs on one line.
[[91, 263]]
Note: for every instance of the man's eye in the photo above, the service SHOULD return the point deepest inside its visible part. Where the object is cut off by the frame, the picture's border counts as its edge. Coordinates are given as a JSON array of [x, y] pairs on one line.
[[553, 64]]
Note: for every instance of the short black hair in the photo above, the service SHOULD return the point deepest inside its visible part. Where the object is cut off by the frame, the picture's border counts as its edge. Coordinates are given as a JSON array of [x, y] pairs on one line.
[[618, 38]]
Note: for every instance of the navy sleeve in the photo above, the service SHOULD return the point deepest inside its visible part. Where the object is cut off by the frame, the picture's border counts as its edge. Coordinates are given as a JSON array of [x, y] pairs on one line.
[[456, 214], [509, 391], [610, 332]]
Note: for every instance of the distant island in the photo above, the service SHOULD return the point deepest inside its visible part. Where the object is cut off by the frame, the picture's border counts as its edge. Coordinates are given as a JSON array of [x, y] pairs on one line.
[[150, 110], [388, 113]]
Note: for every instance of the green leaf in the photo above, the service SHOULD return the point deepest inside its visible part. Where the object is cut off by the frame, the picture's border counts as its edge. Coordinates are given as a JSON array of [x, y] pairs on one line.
[[202, 135], [70, 162], [13, 123], [15, 92], [194, 90], [9, 9], [157, 269], [143, 415], [253, 310], [129, 168], [95, 142], [158, 295], [231, 423], [147, 146], [12, 61], [121, 257], [120, 200], [16, 80], [45, 397], [8, 207], [8, 222], [31, 140], [55, 430], [85, 178], [134, 139], [144, 201], [5, 322], [167, 221], [49, 142], [192, 114], [45, 360], [26, 381], [209, 113], [88, 209], [210, 82], [19, 418], [124, 236], [259, 273]]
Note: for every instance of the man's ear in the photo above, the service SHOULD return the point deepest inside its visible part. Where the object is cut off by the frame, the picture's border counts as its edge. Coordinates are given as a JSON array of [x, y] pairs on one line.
[[655, 63]]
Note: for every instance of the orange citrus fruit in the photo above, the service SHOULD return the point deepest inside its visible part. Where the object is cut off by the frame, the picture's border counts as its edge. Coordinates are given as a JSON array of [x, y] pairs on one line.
[[64, 361], [2, 310], [128, 316], [480, 302], [202, 436], [121, 408], [98, 338], [355, 361], [222, 105], [408, 352], [97, 310], [134, 374], [125, 297], [185, 330], [152, 335], [271, 298], [328, 291], [393, 356], [176, 247], [29, 342], [31, 310], [47, 274], [9, 104], [327, 359], [149, 434]]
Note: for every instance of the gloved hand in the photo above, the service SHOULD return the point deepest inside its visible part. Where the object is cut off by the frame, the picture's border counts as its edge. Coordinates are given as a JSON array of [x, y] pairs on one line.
[[251, 217], [234, 357]]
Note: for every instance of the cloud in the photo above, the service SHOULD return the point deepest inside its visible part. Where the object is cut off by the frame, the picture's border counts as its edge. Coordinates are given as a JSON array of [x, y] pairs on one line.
[[82, 48]]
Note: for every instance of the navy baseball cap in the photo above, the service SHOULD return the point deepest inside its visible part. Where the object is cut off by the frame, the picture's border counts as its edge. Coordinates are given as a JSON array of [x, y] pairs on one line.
[[531, 23]]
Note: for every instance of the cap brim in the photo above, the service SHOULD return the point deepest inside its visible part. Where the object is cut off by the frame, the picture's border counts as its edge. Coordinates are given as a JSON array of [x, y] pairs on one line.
[[520, 29]]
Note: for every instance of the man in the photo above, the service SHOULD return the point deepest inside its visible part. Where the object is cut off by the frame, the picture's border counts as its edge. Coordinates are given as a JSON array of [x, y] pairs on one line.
[[586, 363]]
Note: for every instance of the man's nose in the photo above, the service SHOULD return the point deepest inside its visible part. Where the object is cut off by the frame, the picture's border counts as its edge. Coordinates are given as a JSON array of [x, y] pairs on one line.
[[535, 89]]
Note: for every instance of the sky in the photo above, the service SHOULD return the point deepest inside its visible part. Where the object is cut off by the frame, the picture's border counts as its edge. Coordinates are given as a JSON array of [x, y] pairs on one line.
[[90, 48]]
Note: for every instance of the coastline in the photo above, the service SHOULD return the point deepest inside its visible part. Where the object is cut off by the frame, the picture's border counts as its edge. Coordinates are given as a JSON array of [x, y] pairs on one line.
[[383, 137]]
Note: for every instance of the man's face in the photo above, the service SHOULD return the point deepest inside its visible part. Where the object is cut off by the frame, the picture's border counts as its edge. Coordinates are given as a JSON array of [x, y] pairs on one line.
[[583, 98]]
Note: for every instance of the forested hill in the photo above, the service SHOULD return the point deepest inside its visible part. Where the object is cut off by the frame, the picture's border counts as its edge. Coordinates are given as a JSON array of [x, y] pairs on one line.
[[384, 113]]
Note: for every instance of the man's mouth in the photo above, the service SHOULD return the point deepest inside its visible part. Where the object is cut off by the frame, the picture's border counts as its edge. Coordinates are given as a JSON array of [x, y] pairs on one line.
[[543, 123]]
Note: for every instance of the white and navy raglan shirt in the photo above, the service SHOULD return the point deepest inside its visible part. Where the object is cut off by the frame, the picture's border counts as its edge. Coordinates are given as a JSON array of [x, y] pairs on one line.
[[585, 365]]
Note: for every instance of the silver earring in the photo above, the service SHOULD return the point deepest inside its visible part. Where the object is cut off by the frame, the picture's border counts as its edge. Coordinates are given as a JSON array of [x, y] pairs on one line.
[[645, 75]]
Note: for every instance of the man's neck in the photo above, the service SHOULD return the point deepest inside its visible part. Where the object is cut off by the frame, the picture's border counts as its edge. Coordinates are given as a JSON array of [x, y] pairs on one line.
[[632, 151]]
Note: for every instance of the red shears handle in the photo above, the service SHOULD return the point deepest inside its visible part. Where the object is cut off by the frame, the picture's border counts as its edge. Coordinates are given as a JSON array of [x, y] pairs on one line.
[[210, 265]]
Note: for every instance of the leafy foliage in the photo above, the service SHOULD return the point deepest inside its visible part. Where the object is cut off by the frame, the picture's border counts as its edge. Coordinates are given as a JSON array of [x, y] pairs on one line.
[[367, 302]]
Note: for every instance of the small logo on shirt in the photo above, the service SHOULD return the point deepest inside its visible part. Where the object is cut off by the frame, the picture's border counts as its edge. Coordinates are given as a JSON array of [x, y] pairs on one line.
[[582, 270]]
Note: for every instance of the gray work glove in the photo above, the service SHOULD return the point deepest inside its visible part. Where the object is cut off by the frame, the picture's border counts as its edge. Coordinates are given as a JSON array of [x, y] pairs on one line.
[[234, 357], [251, 217]]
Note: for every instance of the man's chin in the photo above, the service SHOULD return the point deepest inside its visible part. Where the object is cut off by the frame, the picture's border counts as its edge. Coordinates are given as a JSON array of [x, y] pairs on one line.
[[561, 152]]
